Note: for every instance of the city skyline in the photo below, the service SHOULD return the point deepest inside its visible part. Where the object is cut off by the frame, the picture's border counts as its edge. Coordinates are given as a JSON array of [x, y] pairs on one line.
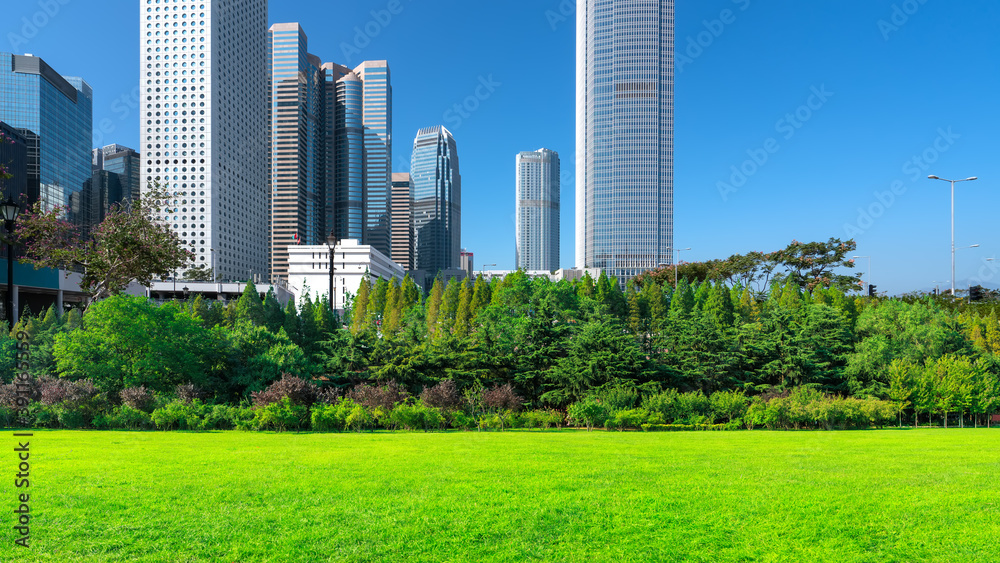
[[894, 85], [538, 231]]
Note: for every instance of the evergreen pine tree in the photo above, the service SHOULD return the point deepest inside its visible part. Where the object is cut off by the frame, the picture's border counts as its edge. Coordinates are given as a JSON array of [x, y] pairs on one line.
[[463, 316], [74, 319], [449, 305], [274, 317], [392, 315], [359, 308], [307, 320], [657, 304], [719, 307], [250, 307], [434, 306], [376, 302], [410, 293], [291, 324], [682, 303], [701, 294], [585, 287]]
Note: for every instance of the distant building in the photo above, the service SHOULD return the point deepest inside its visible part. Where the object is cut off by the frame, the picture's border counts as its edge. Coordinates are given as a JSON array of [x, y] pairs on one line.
[[437, 200], [54, 115], [402, 220], [467, 262], [126, 163], [114, 179], [537, 216], [309, 269], [570, 274], [14, 156], [624, 135]]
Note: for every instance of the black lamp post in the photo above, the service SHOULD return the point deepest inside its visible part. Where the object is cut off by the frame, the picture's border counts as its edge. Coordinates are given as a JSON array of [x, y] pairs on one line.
[[331, 242], [9, 209], [186, 291]]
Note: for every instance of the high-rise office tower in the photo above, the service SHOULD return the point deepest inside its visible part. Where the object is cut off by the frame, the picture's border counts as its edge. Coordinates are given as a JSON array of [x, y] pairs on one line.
[[359, 116], [437, 200], [537, 216], [204, 127], [54, 115], [297, 144], [377, 92], [13, 158], [625, 126], [402, 220], [123, 161]]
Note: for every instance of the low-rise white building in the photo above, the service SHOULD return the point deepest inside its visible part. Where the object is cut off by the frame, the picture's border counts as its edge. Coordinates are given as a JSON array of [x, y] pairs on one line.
[[309, 269], [556, 275]]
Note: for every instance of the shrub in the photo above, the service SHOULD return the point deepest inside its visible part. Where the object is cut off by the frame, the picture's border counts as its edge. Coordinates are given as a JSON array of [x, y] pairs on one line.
[[70, 417], [296, 389], [444, 396], [588, 412], [358, 419], [281, 416], [124, 417], [416, 417], [664, 403], [539, 419], [328, 395], [460, 420], [501, 398], [618, 397], [188, 392], [385, 397], [630, 418], [225, 417], [729, 405], [180, 415], [139, 398], [500, 420], [692, 408]]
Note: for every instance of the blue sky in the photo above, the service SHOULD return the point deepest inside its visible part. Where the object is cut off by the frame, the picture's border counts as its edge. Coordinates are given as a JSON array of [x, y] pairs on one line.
[[899, 83]]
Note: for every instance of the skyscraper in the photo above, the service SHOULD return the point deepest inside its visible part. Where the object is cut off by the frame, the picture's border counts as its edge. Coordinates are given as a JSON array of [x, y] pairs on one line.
[[54, 114], [402, 220], [437, 200], [204, 128], [625, 150], [377, 106], [297, 144], [537, 214], [126, 163]]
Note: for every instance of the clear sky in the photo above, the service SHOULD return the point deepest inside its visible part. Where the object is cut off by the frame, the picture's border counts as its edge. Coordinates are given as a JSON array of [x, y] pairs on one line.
[[898, 80]]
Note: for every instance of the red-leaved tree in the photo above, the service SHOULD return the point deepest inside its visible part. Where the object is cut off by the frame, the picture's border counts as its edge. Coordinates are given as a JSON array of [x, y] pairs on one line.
[[132, 243]]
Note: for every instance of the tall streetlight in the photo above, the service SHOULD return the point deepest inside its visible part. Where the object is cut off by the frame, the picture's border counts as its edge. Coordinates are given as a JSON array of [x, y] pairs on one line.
[[869, 268], [677, 258], [331, 243], [953, 182], [9, 209]]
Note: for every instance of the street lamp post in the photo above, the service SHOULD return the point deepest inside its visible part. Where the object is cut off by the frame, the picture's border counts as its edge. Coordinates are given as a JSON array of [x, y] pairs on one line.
[[484, 268], [677, 257], [869, 284], [331, 243], [9, 209], [953, 182]]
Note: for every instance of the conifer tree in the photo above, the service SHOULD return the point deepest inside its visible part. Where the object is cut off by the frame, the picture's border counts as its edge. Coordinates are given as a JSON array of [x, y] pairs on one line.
[[719, 306], [657, 304], [274, 317], [73, 319], [249, 307], [480, 296], [200, 309], [434, 306], [634, 310], [359, 308], [410, 293], [585, 287], [307, 320], [682, 303], [392, 315], [463, 316], [748, 309], [449, 305], [701, 294], [291, 324]]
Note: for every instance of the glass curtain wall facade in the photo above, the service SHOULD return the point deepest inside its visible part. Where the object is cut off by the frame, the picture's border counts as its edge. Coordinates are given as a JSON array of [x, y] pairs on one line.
[[55, 115], [126, 163], [204, 130], [297, 149], [537, 214], [437, 200], [346, 142], [625, 152], [377, 109]]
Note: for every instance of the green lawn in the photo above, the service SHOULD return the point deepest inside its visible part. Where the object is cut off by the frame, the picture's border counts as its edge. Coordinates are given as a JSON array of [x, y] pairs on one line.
[[906, 496]]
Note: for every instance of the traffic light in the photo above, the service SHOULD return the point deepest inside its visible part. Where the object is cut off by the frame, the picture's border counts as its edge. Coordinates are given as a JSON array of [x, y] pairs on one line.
[[871, 290]]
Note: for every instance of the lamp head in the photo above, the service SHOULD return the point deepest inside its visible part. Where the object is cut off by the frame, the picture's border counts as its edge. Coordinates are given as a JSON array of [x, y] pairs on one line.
[[9, 209], [932, 177], [972, 179]]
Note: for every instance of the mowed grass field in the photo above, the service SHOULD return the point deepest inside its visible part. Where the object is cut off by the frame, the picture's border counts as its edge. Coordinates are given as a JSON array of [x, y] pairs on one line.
[[879, 496]]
